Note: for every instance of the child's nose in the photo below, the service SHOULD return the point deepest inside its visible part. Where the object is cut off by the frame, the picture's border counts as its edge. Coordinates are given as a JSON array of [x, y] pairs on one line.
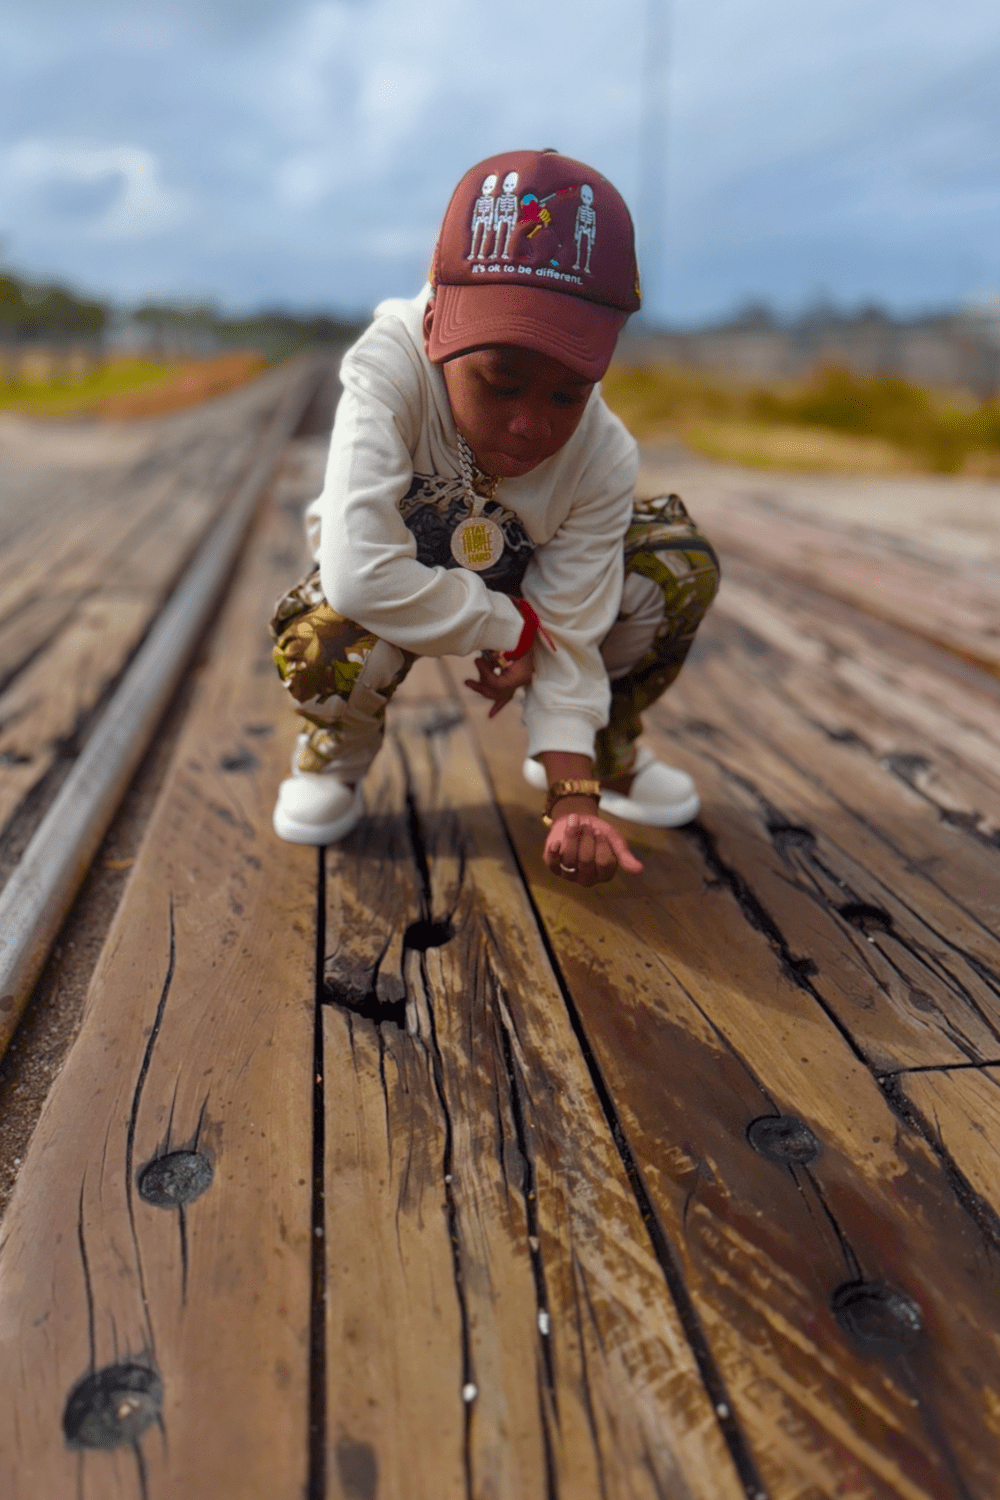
[[531, 425]]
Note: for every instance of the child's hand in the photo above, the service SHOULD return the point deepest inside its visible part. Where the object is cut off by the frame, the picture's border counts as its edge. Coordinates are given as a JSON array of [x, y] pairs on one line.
[[585, 850], [500, 682]]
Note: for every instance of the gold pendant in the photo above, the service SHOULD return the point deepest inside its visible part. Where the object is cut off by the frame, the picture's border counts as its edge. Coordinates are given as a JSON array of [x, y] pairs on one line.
[[476, 543]]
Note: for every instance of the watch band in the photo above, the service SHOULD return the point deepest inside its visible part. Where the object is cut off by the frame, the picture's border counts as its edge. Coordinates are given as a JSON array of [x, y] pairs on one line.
[[577, 788]]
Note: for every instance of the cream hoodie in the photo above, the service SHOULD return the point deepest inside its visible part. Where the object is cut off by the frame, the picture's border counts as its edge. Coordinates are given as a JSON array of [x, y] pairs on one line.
[[394, 445]]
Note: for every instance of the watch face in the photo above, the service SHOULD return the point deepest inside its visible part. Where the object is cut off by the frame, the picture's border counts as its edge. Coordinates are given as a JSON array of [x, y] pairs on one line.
[[476, 543]]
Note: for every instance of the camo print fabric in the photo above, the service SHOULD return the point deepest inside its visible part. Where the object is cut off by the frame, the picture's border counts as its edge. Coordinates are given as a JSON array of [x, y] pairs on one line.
[[664, 545], [321, 656]]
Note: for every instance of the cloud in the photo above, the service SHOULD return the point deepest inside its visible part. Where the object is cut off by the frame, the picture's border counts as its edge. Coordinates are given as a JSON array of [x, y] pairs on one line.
[[304, 150], [108, 192]]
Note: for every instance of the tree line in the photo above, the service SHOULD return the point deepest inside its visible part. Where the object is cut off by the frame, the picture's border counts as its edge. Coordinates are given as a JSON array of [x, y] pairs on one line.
[[47, 313], [31, 312]]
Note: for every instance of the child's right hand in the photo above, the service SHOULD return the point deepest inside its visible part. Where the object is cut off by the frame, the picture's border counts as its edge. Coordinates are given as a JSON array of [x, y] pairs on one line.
[[500, 683]]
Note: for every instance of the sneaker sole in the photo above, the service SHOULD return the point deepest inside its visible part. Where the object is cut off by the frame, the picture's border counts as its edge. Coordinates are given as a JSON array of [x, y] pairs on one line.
[[617, 806], [646, 813], [318, 834]]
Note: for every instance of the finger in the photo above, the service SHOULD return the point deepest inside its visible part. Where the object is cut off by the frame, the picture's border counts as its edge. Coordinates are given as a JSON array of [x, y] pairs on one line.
[[605, 860], [619, 854], [590, 874], [500, 703], [623, 854], [561, 846], [484, 689], [586, 848]]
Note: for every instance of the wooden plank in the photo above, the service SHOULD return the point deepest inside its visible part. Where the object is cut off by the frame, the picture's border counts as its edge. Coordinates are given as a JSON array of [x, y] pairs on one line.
[[877, 678], [25, 634], [480, 1226], [85, 528], [962, 1108], [45, 705], [912, 578], [894, 908], [198, 1035], [703, 1020]]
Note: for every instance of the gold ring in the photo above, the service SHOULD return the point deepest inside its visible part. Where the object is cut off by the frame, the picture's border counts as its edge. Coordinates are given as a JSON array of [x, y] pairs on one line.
[[567, 869]]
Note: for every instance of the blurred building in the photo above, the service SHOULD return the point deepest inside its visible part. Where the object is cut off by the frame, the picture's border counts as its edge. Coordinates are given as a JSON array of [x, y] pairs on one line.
[[960, 350]]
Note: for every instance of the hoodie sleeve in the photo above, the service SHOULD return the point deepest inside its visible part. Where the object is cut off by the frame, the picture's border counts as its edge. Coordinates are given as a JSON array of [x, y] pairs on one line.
[[575, 584], [367, 555]]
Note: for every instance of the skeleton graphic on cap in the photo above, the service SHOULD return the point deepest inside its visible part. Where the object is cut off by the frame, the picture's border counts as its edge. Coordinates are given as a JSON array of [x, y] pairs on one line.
[[585, 226], [505, 216], [482, 218]]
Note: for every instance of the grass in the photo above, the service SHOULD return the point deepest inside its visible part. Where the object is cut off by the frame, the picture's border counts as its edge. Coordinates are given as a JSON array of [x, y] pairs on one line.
[[834, 423], [130, 389]]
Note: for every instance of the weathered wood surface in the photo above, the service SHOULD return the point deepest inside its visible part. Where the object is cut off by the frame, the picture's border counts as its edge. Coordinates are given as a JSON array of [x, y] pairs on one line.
[[87, 561], [482, 1230], [921, 554], [548, 1243], [198, 1037], [823, 926]]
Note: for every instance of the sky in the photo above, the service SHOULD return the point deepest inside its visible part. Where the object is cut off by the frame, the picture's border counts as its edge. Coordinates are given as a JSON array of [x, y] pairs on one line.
[[302, 152]]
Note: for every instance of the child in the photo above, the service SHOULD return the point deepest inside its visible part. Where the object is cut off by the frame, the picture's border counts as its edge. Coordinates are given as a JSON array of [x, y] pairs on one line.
[[479, 497]]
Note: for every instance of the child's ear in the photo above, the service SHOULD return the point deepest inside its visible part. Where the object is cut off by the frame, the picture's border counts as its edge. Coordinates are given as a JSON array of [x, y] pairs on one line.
[[428, 325]]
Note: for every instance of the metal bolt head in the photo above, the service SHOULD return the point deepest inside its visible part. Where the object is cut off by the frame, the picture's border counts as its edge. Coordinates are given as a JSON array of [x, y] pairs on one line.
[[878, 1317], [783, 1138], [179, 1177], [113, 1406]]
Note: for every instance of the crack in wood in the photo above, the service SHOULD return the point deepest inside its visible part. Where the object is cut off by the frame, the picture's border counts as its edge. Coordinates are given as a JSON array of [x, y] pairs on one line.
[[451, 1208], [316, 1481], [88, 1285], [955, 1067], [709, 1372], [985, 1217], [873, 918], [147, 1058]]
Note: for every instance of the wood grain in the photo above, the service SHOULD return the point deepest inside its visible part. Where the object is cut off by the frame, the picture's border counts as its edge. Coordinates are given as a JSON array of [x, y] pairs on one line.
[[916, 576], [704, 1016], [198, 1036], [482, 1232], [868, 818], [49, 701], [961, 1107]]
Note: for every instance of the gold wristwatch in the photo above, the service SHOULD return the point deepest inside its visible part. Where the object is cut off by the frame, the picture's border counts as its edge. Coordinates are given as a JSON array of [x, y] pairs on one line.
[[569, 789]]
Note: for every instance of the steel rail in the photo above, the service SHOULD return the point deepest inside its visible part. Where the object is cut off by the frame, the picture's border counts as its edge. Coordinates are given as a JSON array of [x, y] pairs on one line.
[[37, 897]]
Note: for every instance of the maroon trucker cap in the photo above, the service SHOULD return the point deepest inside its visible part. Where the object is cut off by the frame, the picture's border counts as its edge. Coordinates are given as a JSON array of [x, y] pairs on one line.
[[536, 250]]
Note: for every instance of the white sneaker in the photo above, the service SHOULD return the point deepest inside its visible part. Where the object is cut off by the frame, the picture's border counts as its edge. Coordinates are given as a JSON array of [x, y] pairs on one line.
[[316, 809], [660, 795]]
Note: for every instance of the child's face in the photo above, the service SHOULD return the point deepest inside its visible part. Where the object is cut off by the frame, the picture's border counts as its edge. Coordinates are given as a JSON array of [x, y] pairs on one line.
[[515, 408]]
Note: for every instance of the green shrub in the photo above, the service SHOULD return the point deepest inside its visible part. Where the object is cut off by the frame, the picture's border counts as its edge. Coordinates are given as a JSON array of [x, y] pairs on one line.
[[938, 432]]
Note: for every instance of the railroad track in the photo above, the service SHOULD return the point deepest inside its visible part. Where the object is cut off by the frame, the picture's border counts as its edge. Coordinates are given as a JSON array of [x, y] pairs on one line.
[[403, 1170], [144, 635]]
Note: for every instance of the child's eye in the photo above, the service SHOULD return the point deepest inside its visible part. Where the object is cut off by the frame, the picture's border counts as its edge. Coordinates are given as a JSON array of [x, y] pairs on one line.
[[505, 392], [562, 398]]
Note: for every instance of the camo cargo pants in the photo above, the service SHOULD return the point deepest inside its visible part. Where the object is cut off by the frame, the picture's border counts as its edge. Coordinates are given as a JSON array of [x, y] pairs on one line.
[[342, 677]]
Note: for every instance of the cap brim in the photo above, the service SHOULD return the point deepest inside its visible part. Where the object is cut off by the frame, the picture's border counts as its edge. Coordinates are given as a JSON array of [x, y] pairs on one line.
[[580, 334]]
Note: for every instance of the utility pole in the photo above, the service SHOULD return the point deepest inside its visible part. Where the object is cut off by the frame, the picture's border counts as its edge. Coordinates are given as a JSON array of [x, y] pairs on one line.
[[653, 103]]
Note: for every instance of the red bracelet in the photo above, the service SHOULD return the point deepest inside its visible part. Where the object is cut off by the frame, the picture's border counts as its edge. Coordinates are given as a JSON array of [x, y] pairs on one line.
[[532, 628]]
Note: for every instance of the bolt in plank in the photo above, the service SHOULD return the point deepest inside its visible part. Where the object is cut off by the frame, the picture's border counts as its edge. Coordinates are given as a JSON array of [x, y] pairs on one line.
[[850, 1301], [154, 1274], [497, 1320]]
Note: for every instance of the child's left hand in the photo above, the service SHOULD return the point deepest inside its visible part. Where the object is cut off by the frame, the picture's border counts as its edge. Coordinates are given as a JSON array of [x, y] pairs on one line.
[[586, 850], [500, 682]]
